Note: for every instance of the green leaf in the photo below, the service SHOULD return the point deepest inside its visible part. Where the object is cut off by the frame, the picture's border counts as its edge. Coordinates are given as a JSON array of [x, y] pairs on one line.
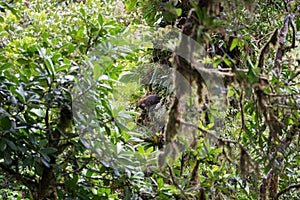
[[21, 94], [11, 145], [97, 71], [71, 182], [141, 150], [216, 61], [43, 142], [215, 151], [122, 126], [80, 31], [169, 17], [89, 173], [3, 145], [297, 21], [149, 150], [100, 20], [234, 43], [252, 76], [38, 169], [119, 147], [6, 66], [45, 162], [45, 156], [22, 61], [129, 77], [178, 12], [62, 68], [160, 182], [84, 142], [5, 123], [227, 61], [82, 11], [49, 64], [130, 4], [49, 150]]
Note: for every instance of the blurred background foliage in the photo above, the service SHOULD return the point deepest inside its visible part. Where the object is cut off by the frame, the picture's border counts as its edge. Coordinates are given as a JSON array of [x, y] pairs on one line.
[[85, 94]]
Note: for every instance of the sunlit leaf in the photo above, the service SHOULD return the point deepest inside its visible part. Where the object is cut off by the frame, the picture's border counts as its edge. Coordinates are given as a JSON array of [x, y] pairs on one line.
[[100, 19], [234, 43]]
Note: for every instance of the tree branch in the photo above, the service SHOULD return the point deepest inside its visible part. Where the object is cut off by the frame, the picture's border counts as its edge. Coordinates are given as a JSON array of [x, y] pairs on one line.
[[287, 189], [18, 177], [281, 48], [265, 185], [175, 183]]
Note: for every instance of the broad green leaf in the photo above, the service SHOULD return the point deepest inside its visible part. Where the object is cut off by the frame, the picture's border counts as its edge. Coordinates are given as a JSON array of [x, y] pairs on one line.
[[149, 150], [84, 142], [6, 66], [178, 12], [119, 147], [49, 65], [298, 23], [62, 68], [130, 4], [45, 162], [22, 61], [49, 150], [3, 145], [11, 144], [45, 156], [5, 123], [80, 31], [21, 94], [89, 173], [227, 61], [252, 77], [43, 142], [82, 11], [141, 150], [100, 19], [97, 71], [234, 43]]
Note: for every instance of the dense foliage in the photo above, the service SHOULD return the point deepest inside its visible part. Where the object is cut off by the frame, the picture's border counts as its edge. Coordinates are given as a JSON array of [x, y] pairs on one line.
[[111, 99]]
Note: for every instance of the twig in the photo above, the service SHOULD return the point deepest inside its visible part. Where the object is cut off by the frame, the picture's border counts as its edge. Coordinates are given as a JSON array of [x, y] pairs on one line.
[[265, 184], [292, 24], [182, 163], [194, 175], [242, 110], [26, 181], [281, 48], [293, 84], [224, 141], [175, 183], [290, 79], [210, 133], [285, 190]]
